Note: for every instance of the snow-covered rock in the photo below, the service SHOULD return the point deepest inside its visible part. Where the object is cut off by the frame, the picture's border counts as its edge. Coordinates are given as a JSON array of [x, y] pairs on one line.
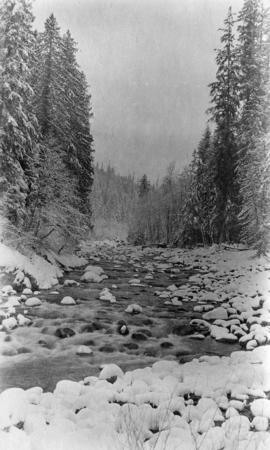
[[7, 290], [9, 323], [84, 350], [71, 283], [92, 277], [260, 407], [95, 269], [217, 313], [107, 296], [134, 308], [12, 301], [33, 301], [68, 301], [260, 423], [22, 320], [110, 370], [222, 334], [27, 291]]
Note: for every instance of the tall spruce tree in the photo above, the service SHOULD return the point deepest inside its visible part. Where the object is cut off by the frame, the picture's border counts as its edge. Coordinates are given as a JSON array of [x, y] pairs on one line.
[[254, 123], [199, 213], [78, 138], [224, 112], [18, 123]]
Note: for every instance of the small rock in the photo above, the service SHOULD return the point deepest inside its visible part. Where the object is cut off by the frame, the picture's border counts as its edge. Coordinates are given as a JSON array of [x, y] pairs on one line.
[[27, 291], [68, 301], [110, 370], [23, 321], [252, 344], [63, 333], [139, 337], [92, 277], [84, 350], [33, 301], [107, 295], [107, 348], [13, 300], [122, 328], [197, 336], [260, 407], [71, 283], [7, 290], [134, 281], [133, 309], [9, 324], [166, 344], [176, 302], [89, 328], [217, 313], [260, 423], [131, 346]]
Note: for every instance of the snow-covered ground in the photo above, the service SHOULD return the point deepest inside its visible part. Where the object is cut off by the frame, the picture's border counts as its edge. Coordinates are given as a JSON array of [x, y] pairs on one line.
[[210, 402], [45, 272]]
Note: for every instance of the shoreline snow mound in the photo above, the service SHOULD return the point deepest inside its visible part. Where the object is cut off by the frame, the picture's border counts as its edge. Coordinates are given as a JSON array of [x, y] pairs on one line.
[[45, 274]]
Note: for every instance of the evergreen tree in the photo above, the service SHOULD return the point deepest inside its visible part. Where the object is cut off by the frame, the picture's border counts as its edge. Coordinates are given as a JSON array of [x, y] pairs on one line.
[[78, 139], [224, 112], [254, 122], [199, 213], [50, 87], [18, 124], [144, 186]]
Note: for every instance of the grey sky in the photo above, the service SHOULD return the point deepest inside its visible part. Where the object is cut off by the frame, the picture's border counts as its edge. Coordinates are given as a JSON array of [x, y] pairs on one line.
[[148, 63]]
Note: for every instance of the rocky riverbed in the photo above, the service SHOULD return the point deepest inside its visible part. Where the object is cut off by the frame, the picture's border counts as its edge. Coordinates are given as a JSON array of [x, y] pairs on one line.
[[168, 291], [135, 307]]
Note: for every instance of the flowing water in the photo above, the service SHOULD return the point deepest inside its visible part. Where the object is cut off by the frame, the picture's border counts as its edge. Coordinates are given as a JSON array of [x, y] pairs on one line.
[[34, 355]]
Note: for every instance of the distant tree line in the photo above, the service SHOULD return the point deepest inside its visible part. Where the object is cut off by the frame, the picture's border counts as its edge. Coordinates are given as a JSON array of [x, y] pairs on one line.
[[46, 146], [113, 196], [224, 194]]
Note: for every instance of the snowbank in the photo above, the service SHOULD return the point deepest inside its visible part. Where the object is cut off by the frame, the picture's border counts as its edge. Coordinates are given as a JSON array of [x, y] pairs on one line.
[[209, 403], [45, 274]]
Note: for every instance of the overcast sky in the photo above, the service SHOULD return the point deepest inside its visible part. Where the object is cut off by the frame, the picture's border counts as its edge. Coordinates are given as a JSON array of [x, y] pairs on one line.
[[148, 64]]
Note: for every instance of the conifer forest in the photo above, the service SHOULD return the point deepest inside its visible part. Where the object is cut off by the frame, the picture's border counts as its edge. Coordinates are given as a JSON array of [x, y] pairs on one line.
[[134, 308]]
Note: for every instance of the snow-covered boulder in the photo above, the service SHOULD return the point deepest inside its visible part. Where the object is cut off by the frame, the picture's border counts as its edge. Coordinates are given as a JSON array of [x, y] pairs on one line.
[[260, 423], [92, 277], [107, 296], [134, 309], [13, 407], [217, 313], [110, 370], [260, 407], [7, 290], [27, 291], [33, 301], [95, 269], [22, 320], [12, 301], [68, 388], [9, 323], [222, 334], [68, 301]]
